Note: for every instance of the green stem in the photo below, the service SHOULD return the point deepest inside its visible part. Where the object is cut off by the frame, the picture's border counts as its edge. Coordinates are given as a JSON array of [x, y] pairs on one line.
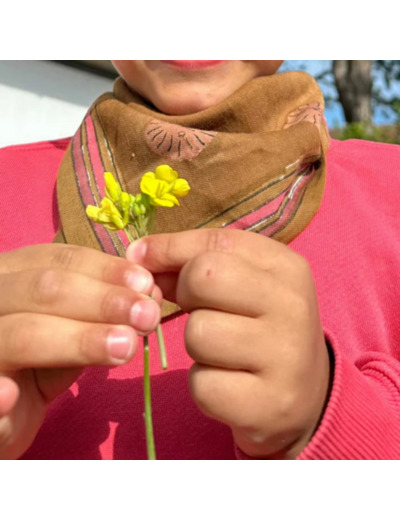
[[161, 348], [151, 452], [148, 420], [129, 234], [160, 337]]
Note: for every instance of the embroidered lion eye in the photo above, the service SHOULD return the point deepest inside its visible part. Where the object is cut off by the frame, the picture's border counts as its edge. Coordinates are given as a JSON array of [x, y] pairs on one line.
[[176, 142]]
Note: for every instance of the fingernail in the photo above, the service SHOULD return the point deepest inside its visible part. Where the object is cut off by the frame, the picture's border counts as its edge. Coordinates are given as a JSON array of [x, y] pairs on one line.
[[145, 315], [136, 251], [139, 280], [120, 344]]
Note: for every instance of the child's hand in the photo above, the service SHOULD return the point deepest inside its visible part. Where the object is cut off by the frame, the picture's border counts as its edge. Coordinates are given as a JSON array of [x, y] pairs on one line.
[[254, 332], [62, 308]]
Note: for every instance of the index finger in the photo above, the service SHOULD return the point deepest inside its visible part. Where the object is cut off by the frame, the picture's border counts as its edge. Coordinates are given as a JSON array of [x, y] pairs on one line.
[[169, 252], [83, 260]]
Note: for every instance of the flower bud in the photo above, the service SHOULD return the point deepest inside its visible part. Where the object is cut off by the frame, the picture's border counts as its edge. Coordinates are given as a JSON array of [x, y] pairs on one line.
[[124, 201]]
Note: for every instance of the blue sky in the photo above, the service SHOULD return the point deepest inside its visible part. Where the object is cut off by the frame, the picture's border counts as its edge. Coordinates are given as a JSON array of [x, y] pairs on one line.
[[334, 112]]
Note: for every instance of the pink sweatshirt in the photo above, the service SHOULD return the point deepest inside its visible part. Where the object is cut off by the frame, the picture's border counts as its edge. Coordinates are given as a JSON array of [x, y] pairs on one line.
[[353, 248]]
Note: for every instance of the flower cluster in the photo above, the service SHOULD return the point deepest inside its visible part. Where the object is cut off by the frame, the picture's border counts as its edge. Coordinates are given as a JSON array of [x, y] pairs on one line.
[[164, 187], [119, 210]]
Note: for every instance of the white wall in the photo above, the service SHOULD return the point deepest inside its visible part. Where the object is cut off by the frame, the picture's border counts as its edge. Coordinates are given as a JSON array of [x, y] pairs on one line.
[[41, 100]]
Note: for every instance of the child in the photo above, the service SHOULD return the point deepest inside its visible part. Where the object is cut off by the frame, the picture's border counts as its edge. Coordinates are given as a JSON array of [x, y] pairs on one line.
[[289, 337]]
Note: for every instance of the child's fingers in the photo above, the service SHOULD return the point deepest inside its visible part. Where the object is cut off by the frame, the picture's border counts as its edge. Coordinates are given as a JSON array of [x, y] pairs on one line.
[[76, 296], [227, 283], [9, 393], [92, 263], [53, 381], [170, 251], [41, 341], [167, 283], [157, 294], [227, 395], [216, 339], [256, 411]]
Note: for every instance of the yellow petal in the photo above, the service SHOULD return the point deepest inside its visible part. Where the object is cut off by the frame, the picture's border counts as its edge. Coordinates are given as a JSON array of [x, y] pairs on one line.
[[180, 188], [172, 198], [104, 218], [92, 212], [166, 200], [166, 173], [118, 221], [155, 188], [149, 175], [148, 184], [162, 202], [107, 205], [109, 211], [111, 226], [113, 188]]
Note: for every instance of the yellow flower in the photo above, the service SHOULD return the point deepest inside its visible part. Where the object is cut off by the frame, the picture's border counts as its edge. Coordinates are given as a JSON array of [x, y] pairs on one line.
[[113, 188], [108, 215], [164, 186], [166, 173]]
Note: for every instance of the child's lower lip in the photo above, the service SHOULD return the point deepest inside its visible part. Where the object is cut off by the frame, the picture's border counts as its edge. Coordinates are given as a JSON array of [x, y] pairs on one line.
[[193, 64]]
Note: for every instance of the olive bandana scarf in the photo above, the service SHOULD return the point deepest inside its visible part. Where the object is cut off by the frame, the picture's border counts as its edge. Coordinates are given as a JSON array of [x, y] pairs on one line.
[[254, 162]]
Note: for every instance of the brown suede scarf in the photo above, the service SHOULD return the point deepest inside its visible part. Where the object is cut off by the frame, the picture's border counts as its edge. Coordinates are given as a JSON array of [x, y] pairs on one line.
[[256, 161]]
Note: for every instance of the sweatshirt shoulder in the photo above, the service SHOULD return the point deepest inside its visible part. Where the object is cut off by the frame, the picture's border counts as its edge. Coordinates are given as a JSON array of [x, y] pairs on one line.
[[363, 151], [57, 145], [365, 162], [25, 161]]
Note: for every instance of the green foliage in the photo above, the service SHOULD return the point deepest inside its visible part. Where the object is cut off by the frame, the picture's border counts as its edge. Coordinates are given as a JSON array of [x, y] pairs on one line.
[[381, 134]]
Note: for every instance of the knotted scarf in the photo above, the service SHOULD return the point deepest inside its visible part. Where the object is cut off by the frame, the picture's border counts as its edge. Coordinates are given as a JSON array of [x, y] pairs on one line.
[[255, 162]]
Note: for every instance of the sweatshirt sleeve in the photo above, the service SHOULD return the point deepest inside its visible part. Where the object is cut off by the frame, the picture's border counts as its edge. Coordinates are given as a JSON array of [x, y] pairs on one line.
[[362, 418]]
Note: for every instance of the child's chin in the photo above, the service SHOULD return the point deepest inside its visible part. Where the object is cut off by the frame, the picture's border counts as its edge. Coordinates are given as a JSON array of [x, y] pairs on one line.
[[184, 105]]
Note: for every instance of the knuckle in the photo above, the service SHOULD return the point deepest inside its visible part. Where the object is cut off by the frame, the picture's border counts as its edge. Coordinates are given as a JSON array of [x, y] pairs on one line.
[[299, 266], [291, 263], [46, 287], [300, 307], [302, 265], [114, 307], [162, 251], [170, 248], [286, 406], [15, 341], [87, 342], [66, 256], [110, 271], [203, 271], [219, 240]]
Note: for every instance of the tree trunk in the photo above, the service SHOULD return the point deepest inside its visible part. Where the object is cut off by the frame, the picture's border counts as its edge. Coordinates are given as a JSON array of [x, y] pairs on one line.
[[354, 84]]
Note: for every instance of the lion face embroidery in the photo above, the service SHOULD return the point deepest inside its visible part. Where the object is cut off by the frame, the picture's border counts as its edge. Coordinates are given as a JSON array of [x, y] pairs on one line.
[[312, 112], [176, 142]]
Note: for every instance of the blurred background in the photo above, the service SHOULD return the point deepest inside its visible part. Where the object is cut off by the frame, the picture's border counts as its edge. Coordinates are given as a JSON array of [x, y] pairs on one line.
[[42, 100]]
